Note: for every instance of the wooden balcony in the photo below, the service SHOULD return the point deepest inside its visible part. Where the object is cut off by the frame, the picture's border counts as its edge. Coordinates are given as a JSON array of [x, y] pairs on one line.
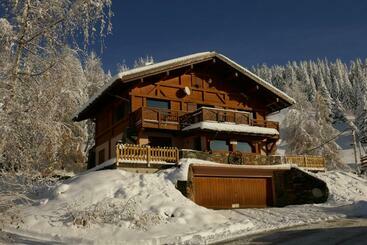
[[156, 118], [176, 120], [223, 115]]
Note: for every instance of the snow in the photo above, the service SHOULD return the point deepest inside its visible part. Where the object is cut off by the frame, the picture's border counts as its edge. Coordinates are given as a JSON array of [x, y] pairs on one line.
[[231, 127], [129, 208]]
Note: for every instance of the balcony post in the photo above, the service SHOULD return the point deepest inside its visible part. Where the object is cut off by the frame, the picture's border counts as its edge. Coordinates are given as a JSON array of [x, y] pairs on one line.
[[148, 155]]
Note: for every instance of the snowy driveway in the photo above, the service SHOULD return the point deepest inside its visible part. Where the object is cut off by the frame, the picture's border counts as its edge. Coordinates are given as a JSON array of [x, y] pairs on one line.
[[344, 231]]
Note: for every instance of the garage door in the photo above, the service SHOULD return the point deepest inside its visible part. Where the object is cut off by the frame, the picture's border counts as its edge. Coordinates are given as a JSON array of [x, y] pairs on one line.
[[229, 192]]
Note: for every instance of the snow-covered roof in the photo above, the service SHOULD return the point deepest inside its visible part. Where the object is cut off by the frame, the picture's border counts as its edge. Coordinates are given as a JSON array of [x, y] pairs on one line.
[[149, 70], [231, 127]]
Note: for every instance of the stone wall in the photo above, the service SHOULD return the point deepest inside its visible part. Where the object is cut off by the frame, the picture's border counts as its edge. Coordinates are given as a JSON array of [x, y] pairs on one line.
[[222, 157], [298, 187]]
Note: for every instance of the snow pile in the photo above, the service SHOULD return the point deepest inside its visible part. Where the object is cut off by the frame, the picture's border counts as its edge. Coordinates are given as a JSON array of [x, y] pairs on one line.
[[181, 172], [115, 205], [231, 127], [344, 187]]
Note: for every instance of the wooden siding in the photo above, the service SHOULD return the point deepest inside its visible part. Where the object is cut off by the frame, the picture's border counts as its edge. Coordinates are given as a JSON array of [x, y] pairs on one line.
[[204, 89]]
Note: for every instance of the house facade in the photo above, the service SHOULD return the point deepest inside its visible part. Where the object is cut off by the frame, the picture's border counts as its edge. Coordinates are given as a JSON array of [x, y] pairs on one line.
[[203, 101]]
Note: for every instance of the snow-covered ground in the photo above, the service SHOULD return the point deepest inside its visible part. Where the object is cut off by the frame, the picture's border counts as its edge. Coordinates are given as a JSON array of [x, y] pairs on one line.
[[114, 206]]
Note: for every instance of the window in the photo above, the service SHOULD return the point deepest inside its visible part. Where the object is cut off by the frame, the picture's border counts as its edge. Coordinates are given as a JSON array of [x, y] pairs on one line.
[[244, 147], [219, 145], [120, 112], [164, 104]]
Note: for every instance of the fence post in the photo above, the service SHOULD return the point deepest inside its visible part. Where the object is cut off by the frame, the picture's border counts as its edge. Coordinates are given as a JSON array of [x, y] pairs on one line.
[[117, 154], [177, 156], [305, 160], [148, 155]]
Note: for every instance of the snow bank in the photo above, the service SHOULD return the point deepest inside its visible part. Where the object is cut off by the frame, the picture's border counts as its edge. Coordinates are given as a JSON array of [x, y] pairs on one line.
[[181, 172], [114, 205], [344, 187]]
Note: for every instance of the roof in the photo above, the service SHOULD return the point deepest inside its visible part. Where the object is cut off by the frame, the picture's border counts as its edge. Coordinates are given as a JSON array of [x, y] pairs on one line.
[[149, 70]]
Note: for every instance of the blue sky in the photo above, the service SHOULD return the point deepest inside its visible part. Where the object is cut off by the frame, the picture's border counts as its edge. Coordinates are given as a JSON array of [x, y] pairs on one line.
[[250, 32]]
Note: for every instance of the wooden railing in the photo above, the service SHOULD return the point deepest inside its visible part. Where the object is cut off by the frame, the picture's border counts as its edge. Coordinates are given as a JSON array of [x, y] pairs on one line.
[[144, 154], [156, 118], [224, 115], [175, 120], [307, 162]]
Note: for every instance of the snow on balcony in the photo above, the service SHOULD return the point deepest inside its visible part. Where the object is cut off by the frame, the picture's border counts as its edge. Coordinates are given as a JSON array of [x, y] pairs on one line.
[[231, 127]]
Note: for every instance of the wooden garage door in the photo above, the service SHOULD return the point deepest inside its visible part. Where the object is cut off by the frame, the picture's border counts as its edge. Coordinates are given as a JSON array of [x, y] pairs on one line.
[[226, 192]]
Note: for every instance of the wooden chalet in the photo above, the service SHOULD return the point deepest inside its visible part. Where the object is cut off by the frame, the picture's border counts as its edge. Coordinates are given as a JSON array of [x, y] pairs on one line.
[[204, 101]]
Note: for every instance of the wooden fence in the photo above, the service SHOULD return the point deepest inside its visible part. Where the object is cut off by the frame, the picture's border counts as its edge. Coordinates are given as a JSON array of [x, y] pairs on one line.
[[144, 154], [307, 162]]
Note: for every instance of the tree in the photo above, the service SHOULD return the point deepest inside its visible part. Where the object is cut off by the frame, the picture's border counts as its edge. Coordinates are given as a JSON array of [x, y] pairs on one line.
[[148, 60], [42, 80]]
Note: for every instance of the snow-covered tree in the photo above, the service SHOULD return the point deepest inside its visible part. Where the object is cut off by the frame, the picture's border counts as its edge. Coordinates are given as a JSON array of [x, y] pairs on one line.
[[148, 60], [42, 82]]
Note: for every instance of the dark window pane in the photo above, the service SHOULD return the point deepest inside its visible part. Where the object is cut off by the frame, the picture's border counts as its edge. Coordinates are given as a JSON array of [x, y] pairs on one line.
[[120, 112], [244, 147], [219, 145], [197, 143], [158, 103], [160, 141]]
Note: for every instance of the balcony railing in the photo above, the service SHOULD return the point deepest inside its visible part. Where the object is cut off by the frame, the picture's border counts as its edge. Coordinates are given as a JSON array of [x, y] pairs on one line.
[[146, 155], [156, 118], [176, 120], [224, 115]]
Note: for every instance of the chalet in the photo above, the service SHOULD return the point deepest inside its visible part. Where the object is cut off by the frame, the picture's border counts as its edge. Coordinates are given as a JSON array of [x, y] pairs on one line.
[[208, 103], [204, 101]]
